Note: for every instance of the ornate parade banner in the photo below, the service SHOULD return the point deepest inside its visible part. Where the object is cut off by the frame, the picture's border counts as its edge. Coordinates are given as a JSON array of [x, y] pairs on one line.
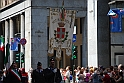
[[61, 30]]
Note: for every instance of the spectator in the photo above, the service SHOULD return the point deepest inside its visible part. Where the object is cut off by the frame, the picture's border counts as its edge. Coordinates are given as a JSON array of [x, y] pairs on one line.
[[81, 77], [120, 79], [106, 78], [52, 73], [38, 74]]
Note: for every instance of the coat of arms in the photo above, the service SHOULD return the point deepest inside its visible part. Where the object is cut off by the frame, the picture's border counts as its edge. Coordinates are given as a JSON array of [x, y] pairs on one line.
[[60, 34]]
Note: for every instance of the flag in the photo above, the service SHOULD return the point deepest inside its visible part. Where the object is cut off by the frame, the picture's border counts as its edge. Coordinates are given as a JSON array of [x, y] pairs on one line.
[[116, 21], [1, 43], [122, 11], [7, 53], [14, 44], [111, 13], [61, 29]]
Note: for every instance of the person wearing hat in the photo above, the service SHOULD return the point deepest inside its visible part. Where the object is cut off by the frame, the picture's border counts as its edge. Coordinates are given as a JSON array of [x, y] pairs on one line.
[[13, 74], [52, 74], [38, 74]]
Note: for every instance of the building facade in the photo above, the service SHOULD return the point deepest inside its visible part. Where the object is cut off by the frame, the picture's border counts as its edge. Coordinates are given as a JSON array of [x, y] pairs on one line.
[[29, 19], [117, 43]]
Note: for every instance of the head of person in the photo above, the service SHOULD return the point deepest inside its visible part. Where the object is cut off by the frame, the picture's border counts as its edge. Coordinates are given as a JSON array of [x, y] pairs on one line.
[[122, 67], [30, 70], [14, 65], [68, 68], [121, 74], [81, 72], [87, 70], [52, 62], [78, 68], [39, 65], [105, 72]]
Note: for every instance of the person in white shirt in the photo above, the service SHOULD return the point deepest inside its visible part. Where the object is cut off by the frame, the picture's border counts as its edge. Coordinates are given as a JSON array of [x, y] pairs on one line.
[[67, 74]]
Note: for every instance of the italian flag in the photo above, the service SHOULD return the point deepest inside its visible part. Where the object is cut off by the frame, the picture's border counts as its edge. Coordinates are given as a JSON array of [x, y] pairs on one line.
[[1, 43]]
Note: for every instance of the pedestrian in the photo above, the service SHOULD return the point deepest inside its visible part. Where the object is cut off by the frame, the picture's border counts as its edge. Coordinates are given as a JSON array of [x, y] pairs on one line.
[[29, 75], [67, 74], [106, 78], [87, 76], [24, 76], [52, 74], [1, 76], [81, 77], [71, 77], [120, 78], [38, 74], [13, 74], [61, 71], [77, 72], [95, 76]]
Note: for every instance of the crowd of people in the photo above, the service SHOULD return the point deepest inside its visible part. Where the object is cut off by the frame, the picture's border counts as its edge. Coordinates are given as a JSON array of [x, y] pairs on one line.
[[113, 74]]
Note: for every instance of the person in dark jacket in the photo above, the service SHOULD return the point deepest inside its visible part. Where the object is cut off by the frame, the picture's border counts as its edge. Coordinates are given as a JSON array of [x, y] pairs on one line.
[[13, 74], [52, 74], [1, 76], [38, 74]]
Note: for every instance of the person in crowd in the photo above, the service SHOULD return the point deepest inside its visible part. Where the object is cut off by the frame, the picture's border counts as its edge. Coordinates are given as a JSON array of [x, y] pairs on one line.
[[112, 74], [38, 74], [77, 71], [4, 76], [52, 74], [61, 71], [119, 67], [87, 76], [91, 71], [120, 78], [64, 77], [71, 77], [106, 78], [81, 77], [101, 77], [67, 74], [95, 76], [115, 73], [1, 76], [24, 76], [13, 74], [29, 75], [122, 70]]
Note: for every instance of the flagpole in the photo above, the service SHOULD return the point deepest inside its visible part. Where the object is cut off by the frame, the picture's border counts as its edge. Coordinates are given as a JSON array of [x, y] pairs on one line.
[[63, 4]]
